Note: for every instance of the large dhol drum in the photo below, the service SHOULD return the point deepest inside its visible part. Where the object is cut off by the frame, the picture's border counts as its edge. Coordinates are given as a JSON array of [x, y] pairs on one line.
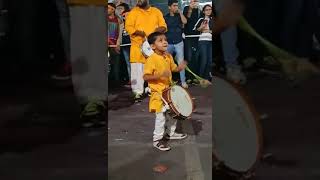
[[180, 102], [237, 136]]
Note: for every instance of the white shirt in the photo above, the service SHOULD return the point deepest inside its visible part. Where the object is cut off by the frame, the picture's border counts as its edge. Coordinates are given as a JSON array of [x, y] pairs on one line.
[[204, 36]]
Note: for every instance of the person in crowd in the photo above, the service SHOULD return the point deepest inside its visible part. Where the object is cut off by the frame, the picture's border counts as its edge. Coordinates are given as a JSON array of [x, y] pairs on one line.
[[204, 25], [192, 13], [141, 21], [124, 9], [114, 41], [175, 21], [229, 47]]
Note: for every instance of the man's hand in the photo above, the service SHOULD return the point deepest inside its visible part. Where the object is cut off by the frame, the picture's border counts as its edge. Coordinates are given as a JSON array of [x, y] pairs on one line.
[[193, 5], [161, 29], [117, 49], [139, 33]]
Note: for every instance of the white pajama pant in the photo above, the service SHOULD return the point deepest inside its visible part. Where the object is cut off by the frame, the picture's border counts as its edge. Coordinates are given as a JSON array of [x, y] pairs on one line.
[[88, 52], [163, 124], [137, 82]]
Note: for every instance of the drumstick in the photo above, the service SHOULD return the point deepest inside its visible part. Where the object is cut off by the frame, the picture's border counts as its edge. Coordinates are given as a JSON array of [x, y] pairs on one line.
[[291, 64], [203, 82]]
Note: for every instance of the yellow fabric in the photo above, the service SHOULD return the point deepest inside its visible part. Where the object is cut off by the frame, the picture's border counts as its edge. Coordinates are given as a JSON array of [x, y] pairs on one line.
[[157, 64], [88, 2], [143, 20]]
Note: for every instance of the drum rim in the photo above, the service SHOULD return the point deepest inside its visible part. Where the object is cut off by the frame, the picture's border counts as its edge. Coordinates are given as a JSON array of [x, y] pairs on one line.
[[255, 114]]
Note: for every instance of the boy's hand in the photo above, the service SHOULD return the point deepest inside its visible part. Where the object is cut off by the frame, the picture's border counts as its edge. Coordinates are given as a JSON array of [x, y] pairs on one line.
[[166, 74], [182, 65]]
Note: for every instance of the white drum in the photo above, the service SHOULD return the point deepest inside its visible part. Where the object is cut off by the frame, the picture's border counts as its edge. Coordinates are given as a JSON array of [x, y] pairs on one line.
[[236, 132], [179, 101], [146, 49]]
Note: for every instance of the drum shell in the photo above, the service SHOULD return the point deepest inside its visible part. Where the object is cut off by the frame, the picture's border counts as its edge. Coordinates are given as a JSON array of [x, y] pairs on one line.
[[166, 94]]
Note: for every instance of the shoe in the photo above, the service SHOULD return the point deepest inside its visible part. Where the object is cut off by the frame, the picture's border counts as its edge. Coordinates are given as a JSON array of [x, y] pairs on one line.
[[184, 85], [235, 74], [176, 136], [128, 85], [63, 73], [147, 91], [138, 98], [161, 145], [93, 114]]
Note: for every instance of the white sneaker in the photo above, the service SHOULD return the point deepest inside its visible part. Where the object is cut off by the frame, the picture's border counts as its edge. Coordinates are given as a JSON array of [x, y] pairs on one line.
[[147, 90], [161, 145], [176, 136], [184, 85], [235, 74]]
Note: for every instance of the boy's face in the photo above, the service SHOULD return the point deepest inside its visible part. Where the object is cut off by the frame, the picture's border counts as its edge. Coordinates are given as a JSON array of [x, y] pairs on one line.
[[174, 7], [161, 44]]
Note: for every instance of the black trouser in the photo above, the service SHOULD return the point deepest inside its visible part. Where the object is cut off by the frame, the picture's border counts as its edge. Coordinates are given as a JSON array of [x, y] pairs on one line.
[[32, 33], [191, 55], [115, 66]]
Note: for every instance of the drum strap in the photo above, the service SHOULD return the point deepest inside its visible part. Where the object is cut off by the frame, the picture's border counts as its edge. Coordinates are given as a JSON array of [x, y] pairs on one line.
[[164, 101]]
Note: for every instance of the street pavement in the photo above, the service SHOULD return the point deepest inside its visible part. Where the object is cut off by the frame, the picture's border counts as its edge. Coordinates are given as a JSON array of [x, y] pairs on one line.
[[41, 139], [131, 155]]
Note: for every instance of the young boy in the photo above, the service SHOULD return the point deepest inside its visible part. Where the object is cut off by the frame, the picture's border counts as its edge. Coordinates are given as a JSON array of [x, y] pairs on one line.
[[157, 72]]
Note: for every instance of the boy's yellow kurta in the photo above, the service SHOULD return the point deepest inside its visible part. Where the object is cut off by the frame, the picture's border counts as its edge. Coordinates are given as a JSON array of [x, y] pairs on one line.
[[157, 64], [142, 20]]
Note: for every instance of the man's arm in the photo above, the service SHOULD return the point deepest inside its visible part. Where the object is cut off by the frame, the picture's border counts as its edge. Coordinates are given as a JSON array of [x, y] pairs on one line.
[[162, 26], [119, 40], [189, 12], [153, 77], [130, 23], [183, 18], [130, 26]]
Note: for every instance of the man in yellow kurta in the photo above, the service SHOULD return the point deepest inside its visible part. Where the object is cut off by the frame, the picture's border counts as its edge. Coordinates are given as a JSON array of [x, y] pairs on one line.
[[88, 58], [141, 21], [157, 72]]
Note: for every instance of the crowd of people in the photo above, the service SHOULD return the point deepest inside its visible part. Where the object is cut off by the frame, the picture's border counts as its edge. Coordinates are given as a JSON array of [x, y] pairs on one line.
[[178, 25]]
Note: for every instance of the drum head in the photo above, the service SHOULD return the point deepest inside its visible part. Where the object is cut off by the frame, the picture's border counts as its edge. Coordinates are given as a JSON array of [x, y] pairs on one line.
[[181, 100], [236, 134]]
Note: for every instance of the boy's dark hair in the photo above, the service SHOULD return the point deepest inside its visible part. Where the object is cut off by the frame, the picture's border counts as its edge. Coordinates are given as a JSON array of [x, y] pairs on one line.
[[125, 6], [153, 37], [170, 2]]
